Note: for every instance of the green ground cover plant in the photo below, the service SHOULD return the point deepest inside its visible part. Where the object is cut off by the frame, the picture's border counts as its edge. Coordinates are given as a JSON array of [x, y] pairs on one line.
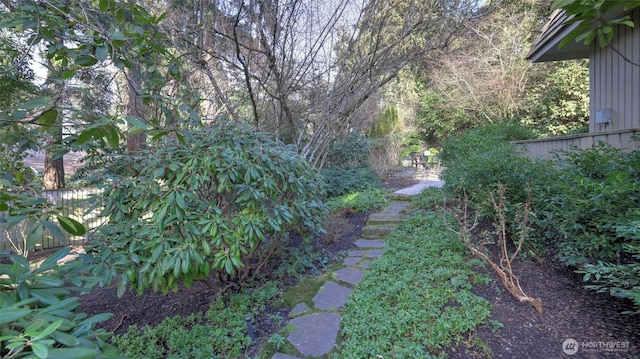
[[416, 300], [221, 332], [430, 198], [362, 201]]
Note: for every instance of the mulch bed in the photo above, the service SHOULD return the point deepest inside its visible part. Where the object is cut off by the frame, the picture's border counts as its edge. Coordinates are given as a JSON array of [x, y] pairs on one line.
[[570, 311]]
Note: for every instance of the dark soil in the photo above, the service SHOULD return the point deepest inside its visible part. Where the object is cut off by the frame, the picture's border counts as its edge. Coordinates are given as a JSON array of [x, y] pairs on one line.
[[570, 311]]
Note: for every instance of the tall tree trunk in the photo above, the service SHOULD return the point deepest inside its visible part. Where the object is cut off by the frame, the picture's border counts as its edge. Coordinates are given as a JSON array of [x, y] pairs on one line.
[[53, 168], [136, 142]]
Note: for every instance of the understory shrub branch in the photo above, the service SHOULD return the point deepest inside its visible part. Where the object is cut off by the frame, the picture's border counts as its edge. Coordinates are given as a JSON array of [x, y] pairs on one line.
[[504, 267]]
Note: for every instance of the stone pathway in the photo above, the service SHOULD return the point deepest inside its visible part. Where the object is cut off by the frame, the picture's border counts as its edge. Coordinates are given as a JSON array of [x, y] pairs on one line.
[[315, 330]]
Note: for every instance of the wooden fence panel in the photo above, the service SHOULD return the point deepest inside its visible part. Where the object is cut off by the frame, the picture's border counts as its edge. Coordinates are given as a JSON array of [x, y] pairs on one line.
[[73, 203], [543, 148]]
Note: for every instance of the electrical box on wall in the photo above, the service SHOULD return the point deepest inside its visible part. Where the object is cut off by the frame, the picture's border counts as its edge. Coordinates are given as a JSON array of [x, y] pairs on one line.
[[603, 116]]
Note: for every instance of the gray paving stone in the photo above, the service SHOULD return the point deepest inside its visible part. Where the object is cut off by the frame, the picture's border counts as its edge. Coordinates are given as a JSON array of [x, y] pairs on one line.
[[298, 309], [350, 275], [369, 243], [284, 356], [315, 334], [331, 296], [396, 206], [419, 187], [391, 218], [356, 253], [364, 265], [375, 231], [374, 254], [349, 261]]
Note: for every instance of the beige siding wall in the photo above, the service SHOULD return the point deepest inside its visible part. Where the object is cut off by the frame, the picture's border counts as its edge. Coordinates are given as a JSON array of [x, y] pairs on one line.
[[615, 81], [545, 148]]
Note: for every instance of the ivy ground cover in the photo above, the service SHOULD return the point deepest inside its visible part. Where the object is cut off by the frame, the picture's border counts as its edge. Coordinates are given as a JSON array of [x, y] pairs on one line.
[[416, 300]]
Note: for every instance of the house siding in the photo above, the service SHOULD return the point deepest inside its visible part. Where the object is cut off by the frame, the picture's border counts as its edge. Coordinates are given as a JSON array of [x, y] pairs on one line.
[[615, 81]]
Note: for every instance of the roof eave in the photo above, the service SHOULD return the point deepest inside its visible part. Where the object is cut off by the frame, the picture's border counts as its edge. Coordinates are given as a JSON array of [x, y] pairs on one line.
[[545, 48]]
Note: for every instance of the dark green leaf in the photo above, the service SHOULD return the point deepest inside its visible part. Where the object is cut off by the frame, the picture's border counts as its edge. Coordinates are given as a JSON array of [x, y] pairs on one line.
[[120, 15], [48, 117], [560, 4], [72, 353], [52, 259], [136, 123], [102, 53], [113, 137], [71, 225], [39, 350], [65, 339], [67, 74], [42, 101], [12, 314], [55, 230], [88, 134], [49, 330], [18, 115], [86, 60]]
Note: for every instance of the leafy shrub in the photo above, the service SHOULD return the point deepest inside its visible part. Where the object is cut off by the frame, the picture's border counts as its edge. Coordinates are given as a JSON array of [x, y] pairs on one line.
[[478, 160], [559, 103], [352, 152], [406, 152], [585, 202], [39, 317], [223, 199], [590, 212], [298, 261], [341, 181], [483, 157], [360, 201], [429, 198]]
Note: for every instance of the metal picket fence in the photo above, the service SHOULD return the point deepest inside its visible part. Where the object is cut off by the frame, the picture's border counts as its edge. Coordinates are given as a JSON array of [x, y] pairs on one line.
[[73, 203]]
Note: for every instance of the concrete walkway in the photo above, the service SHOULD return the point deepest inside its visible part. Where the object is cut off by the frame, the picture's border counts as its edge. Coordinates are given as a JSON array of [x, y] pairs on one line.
[[314, 331]]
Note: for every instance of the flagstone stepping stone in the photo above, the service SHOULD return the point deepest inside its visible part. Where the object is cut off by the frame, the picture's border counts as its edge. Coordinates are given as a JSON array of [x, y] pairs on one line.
[[374, 253], [396, 207], [373, 232], [391, 218], [298, 309], [350, 275], [331, 296], [419, 187], [357, 253], [364, 265], [284, 356], [369, 243], [349, 261], [315, 334]]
